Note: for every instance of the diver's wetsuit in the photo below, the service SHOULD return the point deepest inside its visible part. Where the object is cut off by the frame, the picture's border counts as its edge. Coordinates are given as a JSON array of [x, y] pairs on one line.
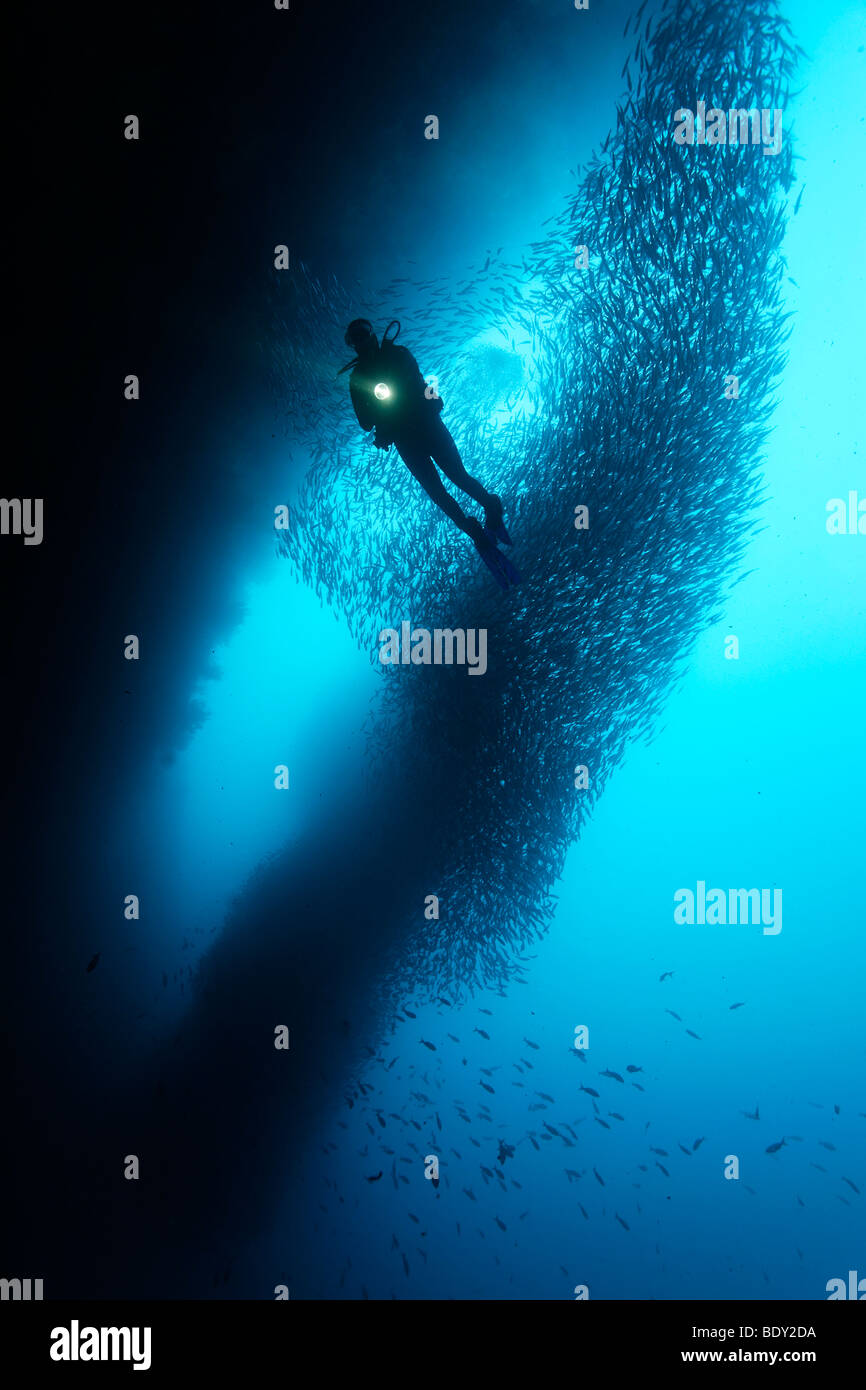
[[410, 420]]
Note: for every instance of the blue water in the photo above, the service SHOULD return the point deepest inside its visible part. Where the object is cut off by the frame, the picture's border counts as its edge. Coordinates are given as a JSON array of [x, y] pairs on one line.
[[755, 780]]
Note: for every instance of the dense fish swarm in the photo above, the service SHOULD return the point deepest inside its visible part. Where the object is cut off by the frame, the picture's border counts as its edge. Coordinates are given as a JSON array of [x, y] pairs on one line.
[[602, 387]]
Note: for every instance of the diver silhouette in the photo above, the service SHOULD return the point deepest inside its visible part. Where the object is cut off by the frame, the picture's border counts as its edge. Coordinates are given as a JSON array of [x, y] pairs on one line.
[[390, 395]]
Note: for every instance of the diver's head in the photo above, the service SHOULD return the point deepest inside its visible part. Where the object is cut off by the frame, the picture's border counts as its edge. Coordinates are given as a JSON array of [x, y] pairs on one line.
[[360, 336]]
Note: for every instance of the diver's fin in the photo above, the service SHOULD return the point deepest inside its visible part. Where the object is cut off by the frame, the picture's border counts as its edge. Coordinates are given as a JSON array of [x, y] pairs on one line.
[[499, 565], [491, 558], [498, 532], [494, 524], [509, 570]]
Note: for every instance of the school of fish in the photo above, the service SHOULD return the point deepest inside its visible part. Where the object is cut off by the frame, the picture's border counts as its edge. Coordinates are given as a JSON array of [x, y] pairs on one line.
[[601, 388]]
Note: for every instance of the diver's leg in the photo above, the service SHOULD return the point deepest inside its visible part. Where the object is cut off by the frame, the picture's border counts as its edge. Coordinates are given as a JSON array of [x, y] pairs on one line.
[[445, 453], [423, 469]]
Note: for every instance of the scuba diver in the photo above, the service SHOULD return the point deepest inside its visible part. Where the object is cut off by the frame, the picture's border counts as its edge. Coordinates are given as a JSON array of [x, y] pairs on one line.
[[389, 394]]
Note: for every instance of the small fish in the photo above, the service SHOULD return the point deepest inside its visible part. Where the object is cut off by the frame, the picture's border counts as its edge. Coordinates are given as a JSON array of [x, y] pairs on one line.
[[800, 1200], [851, 1185], [697, 1144], [432, 1046], [774, 1148], [452, 1037], [663, 1152], [614, 1074], [749, 1115], [637, 1085], [535, 1046], [482, 1033], [620, 1220], [410, 1013], [737, 1006], [799, 199], [93, 964], [589, 1091], [615, 1116], [375, 1177], [405, 1265], [583, 1209], [663, 1168], [501, 1224], [686, 1151], [818, 1166], [487, 1087], [544, 1096], [693, 1035], [488, 1012], [825, 1145], [668, 975], [634, 1069], [601, 1122], [571, 1174], [598, 1176], [673, 1015]]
